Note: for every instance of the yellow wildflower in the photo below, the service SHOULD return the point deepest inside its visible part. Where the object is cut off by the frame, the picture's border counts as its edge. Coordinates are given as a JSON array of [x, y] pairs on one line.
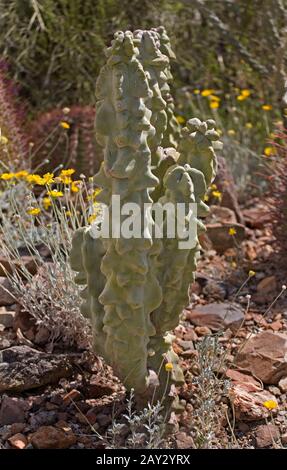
[[168, 367], [232, 231], [68, 213], [65, 179], [269, 151], [21, 174], [196, 91], [34, 211], [48, 178], [231, 132], [206, 198], [245, 92], [68, 172], [267, 107], [270, 404], [47, 203], [251, 273], [207, 92], [65, 125], [214, 104], [213, 186], [3, 140], [75, 186], [54, 193], [219, 131], [92, 218], [34, 179], [180, 119], [249, 125], [214, 98], [7, 176], [217, 194]]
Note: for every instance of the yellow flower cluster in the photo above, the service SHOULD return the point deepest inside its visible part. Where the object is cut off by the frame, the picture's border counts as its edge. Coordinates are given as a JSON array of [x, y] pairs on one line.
[[243, 95]]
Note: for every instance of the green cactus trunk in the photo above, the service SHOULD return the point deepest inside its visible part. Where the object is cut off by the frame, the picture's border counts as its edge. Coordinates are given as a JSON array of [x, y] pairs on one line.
[[137, 287]]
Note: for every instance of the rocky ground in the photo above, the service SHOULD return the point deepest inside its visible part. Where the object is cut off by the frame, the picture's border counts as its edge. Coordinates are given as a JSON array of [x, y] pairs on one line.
[[69, 399]]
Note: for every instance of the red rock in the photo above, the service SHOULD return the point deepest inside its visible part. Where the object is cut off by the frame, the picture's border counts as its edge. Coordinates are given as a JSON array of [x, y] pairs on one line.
[[257, 217], [220, 214], [247, 382], [267, 285], [12, 411], [50, 437], [276, 325], [216, 316], [266, 435], [219, 236], [18, 441], [265, 357], [248, 406], [73, 395]]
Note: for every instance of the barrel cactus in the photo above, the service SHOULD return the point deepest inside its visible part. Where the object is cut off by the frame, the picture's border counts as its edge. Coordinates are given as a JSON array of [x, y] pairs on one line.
[[134, 289]]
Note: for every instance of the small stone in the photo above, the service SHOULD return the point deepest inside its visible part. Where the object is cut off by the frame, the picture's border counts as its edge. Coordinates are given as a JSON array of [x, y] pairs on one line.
[[274, 390], [5, 288], [243, 427], [203, 330], [51, 406], [18, 441], [17, 428], [50, 437], [83, 419], [184, 441], [186, 345], [266, 435], [283, 385], [42, 418], [190, 335], [97, 387], [12, 411], [103, 420], [6, 317], [90, 416]]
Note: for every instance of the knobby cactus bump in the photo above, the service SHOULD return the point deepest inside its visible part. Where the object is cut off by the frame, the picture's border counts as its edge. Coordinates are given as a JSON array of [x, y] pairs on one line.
[[135, 288]]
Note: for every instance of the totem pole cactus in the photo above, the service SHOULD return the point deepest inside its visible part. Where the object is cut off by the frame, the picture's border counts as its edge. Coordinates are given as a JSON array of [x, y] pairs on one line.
[[135, 288]]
